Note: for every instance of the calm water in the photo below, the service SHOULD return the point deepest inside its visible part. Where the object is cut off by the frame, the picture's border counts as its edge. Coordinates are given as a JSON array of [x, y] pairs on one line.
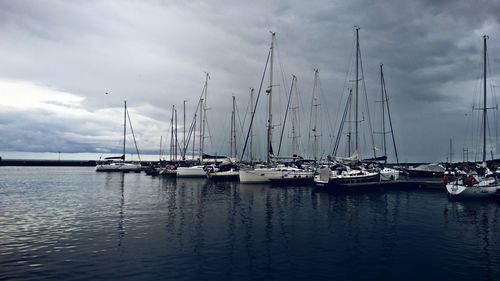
[[74, 223]]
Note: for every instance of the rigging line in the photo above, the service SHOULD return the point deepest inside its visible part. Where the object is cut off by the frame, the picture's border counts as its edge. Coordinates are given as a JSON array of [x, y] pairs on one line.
[[133, 135], [286, 114], [493, 94], [247, 110], [241, 124], [390, 119], [255, 107], [339, 134], [489, 132], [346, 81], [321, 97], [193, 123], [367, 107], [315, 82], [298, 134], [191, 129], [325, 111], [283, 76], [190, 132]]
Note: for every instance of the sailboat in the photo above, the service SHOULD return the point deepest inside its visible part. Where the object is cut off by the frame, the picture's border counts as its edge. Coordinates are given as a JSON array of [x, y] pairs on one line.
[[386, 173], [120, 166], [271, 171], [486, 184], [200, 170], [230, 170], [349, 170]]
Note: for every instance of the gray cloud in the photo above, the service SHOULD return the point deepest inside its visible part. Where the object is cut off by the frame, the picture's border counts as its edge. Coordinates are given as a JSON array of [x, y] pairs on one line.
[[154, 54]]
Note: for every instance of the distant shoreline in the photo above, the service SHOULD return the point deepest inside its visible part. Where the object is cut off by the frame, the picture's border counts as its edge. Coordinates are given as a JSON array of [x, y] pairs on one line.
[[39, 162]]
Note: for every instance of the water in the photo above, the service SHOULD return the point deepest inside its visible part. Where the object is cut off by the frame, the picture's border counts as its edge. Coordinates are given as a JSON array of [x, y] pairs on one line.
[[76, 224]]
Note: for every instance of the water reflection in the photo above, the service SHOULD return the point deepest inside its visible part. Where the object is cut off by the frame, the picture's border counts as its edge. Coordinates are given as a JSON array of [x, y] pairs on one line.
[[121, 215], [137, 227], [479, 225]]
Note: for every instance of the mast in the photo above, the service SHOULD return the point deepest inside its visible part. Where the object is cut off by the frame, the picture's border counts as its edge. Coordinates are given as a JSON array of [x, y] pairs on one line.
[[184, 145], [233, 131], [356, 92], [250, 149], [315, 105], [172, 133], [295, 146], [484, 100], [161, 140], [124, 127], [270, 100], [176, 140], [349, 127], [294, 78], [204, 122], [194, 134], [201, 133], [386, 99], [383, 108]]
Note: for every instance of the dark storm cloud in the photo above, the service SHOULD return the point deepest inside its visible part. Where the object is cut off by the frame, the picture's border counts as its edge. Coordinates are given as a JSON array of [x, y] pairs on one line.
[[154, 54]]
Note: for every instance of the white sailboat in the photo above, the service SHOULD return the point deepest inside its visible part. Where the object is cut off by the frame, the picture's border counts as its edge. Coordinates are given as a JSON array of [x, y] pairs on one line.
[[477, 186], [386, 173], [120, 166], [198, 171], [348, 171], [271, 172], [228, 169]]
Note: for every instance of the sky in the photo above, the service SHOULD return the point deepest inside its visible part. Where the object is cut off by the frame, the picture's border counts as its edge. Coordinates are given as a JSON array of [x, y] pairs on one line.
[[59, 59]]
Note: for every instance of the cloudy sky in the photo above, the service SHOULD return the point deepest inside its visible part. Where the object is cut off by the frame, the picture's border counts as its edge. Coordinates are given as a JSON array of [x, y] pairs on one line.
[[59, 58]]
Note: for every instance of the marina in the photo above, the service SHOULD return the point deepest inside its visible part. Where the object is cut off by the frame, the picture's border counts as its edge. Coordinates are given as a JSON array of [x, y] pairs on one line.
[[278, 140]]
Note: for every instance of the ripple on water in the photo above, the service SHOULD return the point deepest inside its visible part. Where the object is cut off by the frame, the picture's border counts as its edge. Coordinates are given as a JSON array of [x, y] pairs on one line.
[[73, 223]]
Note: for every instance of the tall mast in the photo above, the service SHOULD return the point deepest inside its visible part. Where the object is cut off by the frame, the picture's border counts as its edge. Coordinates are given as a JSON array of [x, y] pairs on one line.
[[184, 145], [349, 127], [176, 140], [484, 101], [233, 130], [270, 100], [201, 133], [204, 122], [295, 146], [356, 91], [250, 149], [124, 127], [383, 108], [315, 105], [161, 141], [172, 133], [194, 134], [386, 99]]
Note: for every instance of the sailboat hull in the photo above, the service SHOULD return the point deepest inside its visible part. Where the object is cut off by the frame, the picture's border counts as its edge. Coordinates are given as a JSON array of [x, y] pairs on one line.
[[253, 176], [276, 175], [191, 172], [118, 167], [461, 191], [388, 174], [224, 175], [327, 178]]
